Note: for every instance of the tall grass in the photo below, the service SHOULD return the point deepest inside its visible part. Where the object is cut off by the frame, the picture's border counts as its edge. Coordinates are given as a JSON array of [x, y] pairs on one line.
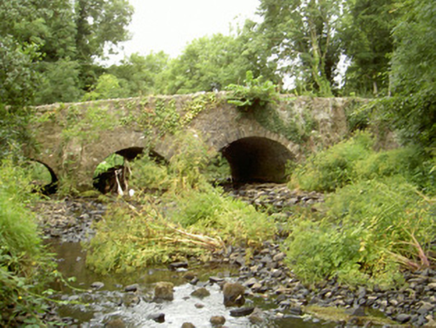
[[379, 219], [24, 265]]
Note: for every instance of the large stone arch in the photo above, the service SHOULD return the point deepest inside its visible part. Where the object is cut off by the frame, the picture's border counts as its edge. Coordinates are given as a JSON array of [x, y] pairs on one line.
[[257, 159]]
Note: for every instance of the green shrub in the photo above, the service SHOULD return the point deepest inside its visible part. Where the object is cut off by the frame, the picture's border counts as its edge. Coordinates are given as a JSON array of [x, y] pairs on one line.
[[150, 175], [191, 157], [24, 265], [409, 162], [219, 215], [218, 169], [109, 162], [129, 238], [370, 229], [334, 167], [253, 93]]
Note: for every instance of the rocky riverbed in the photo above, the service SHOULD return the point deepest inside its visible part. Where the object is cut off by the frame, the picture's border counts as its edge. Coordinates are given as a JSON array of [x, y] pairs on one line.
[[264, 274]]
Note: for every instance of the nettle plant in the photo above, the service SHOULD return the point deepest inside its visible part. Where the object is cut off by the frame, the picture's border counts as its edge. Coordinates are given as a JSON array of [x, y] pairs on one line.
[[253, 93]]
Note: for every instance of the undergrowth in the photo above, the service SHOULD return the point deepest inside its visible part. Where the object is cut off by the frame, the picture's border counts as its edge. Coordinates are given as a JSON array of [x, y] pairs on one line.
[[378, 221], [191, 218], [155, 233], [25, 266]]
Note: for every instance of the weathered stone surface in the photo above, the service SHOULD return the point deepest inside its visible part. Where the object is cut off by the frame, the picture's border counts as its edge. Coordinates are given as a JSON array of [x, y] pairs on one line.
[[221, 123], [115, 323], [218, 320], [158, 317], [131, 288], [97, 285], [188, 325], [200, 293], [233, 294], [241, 312], [163, 291]]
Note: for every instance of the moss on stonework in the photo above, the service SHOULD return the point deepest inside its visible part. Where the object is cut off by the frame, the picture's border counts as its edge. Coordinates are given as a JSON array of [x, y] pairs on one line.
[[297, 129]]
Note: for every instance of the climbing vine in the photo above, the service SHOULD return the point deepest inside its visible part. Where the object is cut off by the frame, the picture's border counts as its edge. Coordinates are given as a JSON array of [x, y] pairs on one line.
[[297, 127]]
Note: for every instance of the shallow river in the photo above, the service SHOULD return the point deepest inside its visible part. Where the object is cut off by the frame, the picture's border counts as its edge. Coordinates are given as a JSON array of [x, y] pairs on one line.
[[111, 302]]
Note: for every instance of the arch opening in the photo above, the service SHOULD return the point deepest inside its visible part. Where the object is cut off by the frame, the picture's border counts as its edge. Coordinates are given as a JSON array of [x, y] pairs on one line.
[[44, 179], [257, 159], [112, 175]]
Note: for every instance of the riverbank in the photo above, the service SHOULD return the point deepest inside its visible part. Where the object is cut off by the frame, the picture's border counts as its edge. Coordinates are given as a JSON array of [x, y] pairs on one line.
[[265, 275]]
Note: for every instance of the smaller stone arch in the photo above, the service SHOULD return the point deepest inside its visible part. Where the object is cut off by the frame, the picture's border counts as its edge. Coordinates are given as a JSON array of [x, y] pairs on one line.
[[51, 187], [257, 159], [116, 176]]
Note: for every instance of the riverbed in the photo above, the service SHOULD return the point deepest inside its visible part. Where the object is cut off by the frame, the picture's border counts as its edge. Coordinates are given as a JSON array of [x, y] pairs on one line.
[[99, 300]]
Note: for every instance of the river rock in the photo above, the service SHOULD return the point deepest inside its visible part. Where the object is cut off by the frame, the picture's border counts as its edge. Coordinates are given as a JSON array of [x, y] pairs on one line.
[[97, 285], [200, 293], [163, 291], [241, 312], [217, 320], [233, 294], [178, 266], [157, 317], [189, 276], [402, 318], [216, 280], [115, 323], [131, 288], [256, 317], [188, 325]]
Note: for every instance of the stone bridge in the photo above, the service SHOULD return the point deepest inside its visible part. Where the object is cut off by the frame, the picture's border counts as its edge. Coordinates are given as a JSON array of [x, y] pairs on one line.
[[72, 139]]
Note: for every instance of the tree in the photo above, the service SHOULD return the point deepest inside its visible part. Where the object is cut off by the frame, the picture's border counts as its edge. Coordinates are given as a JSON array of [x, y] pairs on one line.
[[414, 72], [101, 25], [367, 42], [302, 39], [139, 75], [214, 62], [18, 78]]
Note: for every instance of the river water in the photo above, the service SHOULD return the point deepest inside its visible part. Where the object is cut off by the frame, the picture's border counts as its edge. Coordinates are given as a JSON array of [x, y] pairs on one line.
[[96, 307]]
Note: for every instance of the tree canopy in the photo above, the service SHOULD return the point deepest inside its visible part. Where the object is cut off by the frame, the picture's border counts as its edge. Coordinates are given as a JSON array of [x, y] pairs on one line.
[[51, 50]]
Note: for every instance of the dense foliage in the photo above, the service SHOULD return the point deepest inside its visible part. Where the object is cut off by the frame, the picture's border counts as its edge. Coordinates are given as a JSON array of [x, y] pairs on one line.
[[25, 266], [378, 218]]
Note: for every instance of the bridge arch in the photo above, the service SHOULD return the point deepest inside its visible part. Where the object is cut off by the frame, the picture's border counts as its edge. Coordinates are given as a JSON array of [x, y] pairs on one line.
[[112, 172], [257, 159], [49, 186]]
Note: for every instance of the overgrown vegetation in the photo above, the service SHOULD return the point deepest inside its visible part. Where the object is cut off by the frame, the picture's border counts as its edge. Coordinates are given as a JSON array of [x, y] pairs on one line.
[[191, 217], [25, 266], [378, 219], [255, 92]]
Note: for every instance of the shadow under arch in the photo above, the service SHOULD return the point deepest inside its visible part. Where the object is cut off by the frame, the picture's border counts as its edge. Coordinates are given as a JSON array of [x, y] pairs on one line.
[[48, 188], [116, 173], [257, 159]]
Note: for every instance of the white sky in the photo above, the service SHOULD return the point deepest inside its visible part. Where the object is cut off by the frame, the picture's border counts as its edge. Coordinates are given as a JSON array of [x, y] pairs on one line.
[[169, 25]]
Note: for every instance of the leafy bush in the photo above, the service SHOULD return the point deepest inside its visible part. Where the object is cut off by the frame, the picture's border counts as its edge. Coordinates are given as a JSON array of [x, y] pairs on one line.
[[409, 162], [354, 160], [231, 220], [254, 92], [24, 265], [334, 167], [111, 161], [201, 221], [370, 229], [128, 239], [148, 174]]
